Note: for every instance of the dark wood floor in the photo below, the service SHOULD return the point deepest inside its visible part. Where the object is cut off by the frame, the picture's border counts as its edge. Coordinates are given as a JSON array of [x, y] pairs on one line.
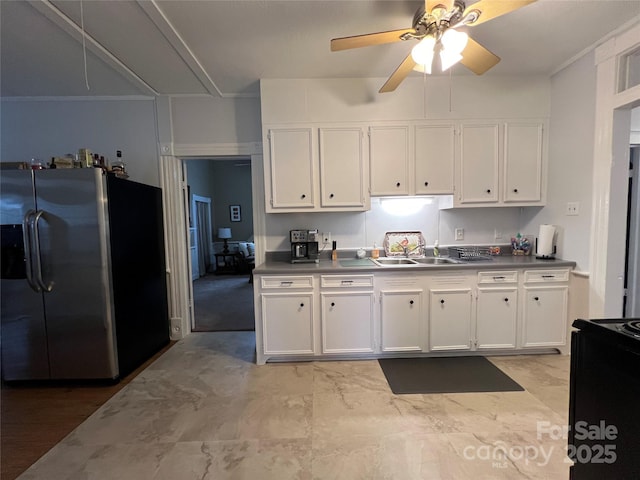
[[33, 418]]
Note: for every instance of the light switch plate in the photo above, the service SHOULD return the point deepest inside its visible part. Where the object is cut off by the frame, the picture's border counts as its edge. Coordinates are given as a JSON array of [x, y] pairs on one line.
[[459, 233], [573, 208]]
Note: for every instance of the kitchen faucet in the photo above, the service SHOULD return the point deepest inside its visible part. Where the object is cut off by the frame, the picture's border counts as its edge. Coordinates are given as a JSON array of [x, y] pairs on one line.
[[419, 247]]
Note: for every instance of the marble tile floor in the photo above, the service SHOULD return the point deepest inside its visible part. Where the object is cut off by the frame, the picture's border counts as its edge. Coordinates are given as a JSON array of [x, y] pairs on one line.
[[205, 410]]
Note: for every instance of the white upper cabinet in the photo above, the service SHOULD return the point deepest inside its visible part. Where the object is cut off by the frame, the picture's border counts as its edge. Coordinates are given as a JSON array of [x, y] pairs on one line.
[[522, 162], [342, 168], [315, 169], [291, 165], [389, 155], [502, 164], [434, 159], [479, 163]]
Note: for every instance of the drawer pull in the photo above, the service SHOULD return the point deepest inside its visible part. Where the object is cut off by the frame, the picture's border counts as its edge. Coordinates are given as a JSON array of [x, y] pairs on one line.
[[548, 276], [501, 277], [287, 283], [346, 282]]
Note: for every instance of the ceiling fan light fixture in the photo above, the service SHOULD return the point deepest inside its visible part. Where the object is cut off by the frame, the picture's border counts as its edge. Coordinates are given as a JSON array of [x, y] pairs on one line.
[[422, 53], [453, 43]]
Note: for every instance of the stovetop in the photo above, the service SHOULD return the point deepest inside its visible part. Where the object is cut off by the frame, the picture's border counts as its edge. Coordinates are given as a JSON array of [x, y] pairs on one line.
[[623, 330]]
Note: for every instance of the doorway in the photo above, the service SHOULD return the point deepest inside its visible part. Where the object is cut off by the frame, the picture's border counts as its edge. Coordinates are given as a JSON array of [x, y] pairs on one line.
[[222, 296], [631, 304]]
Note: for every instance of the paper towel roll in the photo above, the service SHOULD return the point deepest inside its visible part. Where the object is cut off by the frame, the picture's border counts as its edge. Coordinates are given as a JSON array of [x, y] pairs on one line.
[[545, 240]]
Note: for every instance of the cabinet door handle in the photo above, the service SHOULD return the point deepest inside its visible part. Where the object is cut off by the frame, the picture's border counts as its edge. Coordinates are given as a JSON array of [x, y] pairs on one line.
[[410, 302], [426, 184], [333, 304], [488, 190], [515, 190], [442, 302], [536, 298], [506, 299], [302, 305], [331, 195]]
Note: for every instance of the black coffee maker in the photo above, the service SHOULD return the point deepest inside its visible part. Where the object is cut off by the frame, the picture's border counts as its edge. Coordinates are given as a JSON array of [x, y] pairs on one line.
[[304, 246]]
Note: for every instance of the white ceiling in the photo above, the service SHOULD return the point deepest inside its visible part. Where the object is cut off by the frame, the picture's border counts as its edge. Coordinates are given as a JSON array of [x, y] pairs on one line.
[[223, 48]]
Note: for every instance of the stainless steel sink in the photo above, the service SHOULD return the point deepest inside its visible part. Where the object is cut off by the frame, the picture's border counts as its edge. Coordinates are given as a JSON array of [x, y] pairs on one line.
[[385, 262], [435, 260]]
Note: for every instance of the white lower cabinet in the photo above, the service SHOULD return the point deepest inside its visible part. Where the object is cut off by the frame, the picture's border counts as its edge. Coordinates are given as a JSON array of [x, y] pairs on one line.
[[496, 310], [346, 314], [450, 318], [287, 323], [402, 320], [544, 317]]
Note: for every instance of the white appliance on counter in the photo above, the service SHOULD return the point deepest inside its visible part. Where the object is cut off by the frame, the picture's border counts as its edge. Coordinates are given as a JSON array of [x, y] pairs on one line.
[[545, 242]]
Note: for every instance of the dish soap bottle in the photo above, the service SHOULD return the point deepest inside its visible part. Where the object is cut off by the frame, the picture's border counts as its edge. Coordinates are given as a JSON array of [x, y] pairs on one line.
[[375, 253]]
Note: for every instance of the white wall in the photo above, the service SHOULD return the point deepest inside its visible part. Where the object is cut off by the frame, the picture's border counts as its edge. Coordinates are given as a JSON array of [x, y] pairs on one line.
[[570, 160], [208, 120], [47, 128], [361, 229]]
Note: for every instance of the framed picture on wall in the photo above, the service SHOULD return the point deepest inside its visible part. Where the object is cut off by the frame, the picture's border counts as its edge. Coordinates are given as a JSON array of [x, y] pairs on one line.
[[234, 213]]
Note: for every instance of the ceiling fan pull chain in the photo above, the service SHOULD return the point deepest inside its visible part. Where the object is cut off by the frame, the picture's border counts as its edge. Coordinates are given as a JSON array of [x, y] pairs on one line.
[[84, 45]]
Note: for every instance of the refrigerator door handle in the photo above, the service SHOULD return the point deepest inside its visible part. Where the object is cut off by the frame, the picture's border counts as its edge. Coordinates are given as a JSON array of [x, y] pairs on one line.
[[27, 236], [36, 234]]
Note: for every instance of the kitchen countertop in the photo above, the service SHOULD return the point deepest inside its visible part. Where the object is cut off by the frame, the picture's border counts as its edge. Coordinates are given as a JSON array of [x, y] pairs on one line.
[[499, 262]]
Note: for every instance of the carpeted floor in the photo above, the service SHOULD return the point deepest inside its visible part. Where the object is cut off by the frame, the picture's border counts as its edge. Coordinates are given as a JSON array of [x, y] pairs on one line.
[[223, 303]]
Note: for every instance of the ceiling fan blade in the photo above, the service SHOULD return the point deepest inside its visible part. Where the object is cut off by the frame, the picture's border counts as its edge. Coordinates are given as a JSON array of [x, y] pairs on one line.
[[477, 58], [430, 4], [399, 75], [365, 40], [494, 8]]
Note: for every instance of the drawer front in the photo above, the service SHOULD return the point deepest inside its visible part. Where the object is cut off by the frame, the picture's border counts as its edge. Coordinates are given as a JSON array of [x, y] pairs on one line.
[[546, 276], [510, 276], [346, 281], [287, 282]]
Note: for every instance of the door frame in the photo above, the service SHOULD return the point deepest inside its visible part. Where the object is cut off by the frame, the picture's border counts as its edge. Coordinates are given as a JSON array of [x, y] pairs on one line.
[[195, 199]]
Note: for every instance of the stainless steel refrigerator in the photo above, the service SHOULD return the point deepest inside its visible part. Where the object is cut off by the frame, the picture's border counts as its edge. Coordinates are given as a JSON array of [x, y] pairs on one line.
[[83, 278]]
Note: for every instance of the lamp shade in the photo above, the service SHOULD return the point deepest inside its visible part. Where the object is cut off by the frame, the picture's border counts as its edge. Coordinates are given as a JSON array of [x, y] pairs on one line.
[[224, 233]]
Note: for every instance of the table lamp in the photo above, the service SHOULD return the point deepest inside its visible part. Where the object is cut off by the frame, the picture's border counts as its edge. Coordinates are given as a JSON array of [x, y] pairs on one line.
[[224, 233]]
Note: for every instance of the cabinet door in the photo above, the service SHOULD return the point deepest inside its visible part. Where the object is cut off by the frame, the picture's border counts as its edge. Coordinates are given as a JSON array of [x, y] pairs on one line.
[[292, 168], [450, 319], [402, 321], [287, 323], [545, 316], [496, 316], [523, 162], [347, 322], [389, 157], [479, 163], [342, 167], [434, 159]]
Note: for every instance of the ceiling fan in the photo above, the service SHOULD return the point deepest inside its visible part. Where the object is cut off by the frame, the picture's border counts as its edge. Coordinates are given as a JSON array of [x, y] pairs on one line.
[[435, 26]]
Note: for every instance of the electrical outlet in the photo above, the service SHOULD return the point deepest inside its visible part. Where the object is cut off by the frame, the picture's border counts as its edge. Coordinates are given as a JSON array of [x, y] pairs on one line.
[[326, 238], [497, 234], [459, 233], [573, 208]]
